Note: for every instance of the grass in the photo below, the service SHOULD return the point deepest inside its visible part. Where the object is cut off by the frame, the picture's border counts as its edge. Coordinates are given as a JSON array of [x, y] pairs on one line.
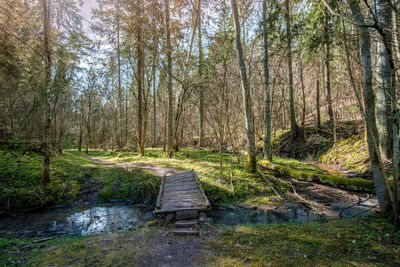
[[247, 186], [367, 241], [21, 184]]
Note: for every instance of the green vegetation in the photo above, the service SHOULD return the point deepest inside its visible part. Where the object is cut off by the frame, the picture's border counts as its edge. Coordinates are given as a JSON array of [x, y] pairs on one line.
[[351, 153], [367, 241], [21, 180], [247, 186], [309, 172], [312, 143]]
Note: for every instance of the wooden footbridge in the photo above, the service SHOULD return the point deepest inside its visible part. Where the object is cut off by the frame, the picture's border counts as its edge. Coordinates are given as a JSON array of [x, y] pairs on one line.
[[182, 198]]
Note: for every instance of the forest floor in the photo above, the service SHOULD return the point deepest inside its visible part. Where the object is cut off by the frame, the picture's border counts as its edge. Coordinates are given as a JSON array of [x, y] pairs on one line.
[[369, 241], [366, 241], [321, 199]]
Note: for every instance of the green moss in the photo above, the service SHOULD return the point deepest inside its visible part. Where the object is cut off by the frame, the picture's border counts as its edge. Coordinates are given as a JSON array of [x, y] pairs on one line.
[[357, 184], [132, 184], [21, 184], [352, 242], [351, 153]]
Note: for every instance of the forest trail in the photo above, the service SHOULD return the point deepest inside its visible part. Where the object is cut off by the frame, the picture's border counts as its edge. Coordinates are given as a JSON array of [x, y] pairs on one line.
[[154, 169]]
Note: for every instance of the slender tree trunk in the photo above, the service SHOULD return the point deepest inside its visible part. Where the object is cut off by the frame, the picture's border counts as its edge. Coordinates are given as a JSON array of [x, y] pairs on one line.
[[48, 62], [169, 74], [126, 116], [328, 72], [154, 142], [303, 118], [201, 100], [349, 70], [251, 161], [318, 123], [88, 125], [293, 124], [139, 79], [267, 137], [182, 93], [369, 100], [120, 113]]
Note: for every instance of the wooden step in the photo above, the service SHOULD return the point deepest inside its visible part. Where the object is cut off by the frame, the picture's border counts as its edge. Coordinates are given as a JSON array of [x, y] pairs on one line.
[[186, 223], [186, 231]]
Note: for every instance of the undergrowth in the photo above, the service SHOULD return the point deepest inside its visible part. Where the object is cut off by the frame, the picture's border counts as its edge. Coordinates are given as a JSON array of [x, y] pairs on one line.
[[21, 185]]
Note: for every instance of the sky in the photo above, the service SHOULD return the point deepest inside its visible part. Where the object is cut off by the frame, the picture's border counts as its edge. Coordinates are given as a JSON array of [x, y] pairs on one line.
[[86, 12]]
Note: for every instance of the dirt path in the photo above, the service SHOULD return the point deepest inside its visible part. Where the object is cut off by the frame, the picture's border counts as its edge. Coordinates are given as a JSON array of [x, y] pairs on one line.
[[154, 169]]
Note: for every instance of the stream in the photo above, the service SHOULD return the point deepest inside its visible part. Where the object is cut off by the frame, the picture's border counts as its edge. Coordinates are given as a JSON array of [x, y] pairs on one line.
[[101, 218]]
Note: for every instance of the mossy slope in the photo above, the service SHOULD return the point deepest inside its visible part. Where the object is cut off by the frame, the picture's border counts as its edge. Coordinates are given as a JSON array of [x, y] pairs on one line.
[[356, 184]]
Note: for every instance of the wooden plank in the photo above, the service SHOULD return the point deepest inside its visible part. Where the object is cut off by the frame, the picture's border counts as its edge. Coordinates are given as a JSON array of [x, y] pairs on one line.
[[180, 192], [160, 193], [180, 188], [201, 189]]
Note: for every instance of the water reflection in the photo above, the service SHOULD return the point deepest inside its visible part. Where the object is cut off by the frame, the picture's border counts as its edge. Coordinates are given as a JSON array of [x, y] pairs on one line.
[[103, 219], [245, 216], [78, 220]]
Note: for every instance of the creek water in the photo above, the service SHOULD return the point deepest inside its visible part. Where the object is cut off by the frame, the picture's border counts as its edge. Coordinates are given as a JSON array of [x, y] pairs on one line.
[[110, 217], [237, 216], [77, 220]]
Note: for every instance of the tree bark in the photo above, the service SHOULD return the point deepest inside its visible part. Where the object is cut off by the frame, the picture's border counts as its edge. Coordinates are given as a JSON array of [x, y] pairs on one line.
[[318, 122], [201, 92], [328, 71], [267, 137], [369, 101], [293, 125], [120, 113], [251, 161], [169, 74], [139, 78], [349, 70], [48, 63]]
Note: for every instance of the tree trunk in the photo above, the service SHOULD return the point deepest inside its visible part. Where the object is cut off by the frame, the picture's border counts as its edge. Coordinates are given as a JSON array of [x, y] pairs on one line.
[[293, 124], [139, 79], [303, 117], [201, 93], [48, 62], [318, 123], [267, 137], [251, 161], [369, 101], [328, 73], [349, 70], [119, 138], [169, 74]]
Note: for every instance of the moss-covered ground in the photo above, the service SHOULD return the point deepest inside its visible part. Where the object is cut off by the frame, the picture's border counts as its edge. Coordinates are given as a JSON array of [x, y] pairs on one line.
[[350, 151], [21, 184], [369, 241]]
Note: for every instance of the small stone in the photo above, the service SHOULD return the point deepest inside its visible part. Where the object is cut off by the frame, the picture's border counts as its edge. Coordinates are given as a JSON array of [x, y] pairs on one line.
[[202, 217], [254, 207], [169, 218]]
